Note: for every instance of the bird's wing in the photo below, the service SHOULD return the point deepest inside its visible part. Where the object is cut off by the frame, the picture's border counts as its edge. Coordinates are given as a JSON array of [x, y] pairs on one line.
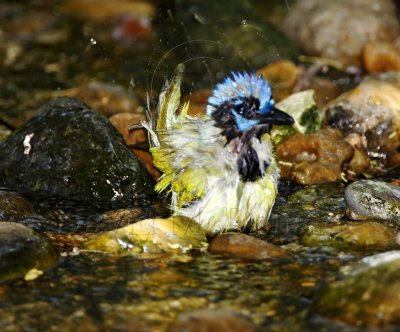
[[190, 152]]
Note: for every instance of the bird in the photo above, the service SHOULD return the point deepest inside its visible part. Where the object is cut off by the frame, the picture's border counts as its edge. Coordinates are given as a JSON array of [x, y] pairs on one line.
[[219, 168]]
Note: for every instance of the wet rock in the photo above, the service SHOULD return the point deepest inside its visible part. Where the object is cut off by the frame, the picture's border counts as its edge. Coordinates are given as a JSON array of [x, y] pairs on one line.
[[14, 207], [358, 236], [381, 57], [367, 297], [282, 75], [70, 153], [373, 199], [123, 121], [303, 108], [369, 118], [211, 320], [106, 98], [174, 234], [339, 29], [147, 160], [198, 101], [313, 158], [243, 246], [22, 250]]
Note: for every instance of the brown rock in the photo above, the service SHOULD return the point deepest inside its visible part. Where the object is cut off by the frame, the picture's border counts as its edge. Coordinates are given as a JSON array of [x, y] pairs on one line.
[[207, 320], [198, 102], [359, 236], [146, 158], [243, 246], [369, 118], [339, 29], [123, 121], [283, 76], [380, 56], [313, 158], [105, 98]]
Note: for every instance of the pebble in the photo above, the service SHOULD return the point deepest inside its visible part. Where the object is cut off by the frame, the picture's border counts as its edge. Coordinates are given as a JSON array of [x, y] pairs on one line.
[[242, 246], [373, 199]]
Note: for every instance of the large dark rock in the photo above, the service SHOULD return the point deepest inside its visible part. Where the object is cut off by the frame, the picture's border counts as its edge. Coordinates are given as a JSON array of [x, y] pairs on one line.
[[72, 154]]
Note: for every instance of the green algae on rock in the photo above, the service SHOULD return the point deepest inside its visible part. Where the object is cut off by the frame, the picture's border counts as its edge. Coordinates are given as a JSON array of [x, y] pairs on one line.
[[373, 199], [72, 154], [368, 297], [302, 107], [173, 234], [357, 236], [21, 250]]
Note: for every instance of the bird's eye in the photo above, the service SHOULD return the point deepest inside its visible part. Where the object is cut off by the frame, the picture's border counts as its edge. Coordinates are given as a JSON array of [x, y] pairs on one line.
[[247, 106]]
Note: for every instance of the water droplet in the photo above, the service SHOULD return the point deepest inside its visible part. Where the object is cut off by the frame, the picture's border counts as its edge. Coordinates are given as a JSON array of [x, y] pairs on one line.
[[93, 41], [244, 22]]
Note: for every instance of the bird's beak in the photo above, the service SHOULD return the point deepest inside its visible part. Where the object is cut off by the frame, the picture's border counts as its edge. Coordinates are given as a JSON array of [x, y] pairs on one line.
[[277, 117]]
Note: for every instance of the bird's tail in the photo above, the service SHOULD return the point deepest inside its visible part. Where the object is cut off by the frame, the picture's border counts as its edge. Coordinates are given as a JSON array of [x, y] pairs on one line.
[[167, 110]]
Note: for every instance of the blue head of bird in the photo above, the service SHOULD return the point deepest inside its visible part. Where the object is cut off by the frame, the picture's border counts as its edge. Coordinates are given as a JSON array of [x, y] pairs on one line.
[[243, 103], [243, 107]]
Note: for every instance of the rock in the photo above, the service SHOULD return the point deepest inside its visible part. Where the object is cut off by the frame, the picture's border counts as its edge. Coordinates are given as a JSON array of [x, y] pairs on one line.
[[243, 246], [123, 121], [313, 158], [303, 108], [211, 320], [370, 297], [198, 101], [14, 207], [339, 29], [72, 154], [283, 75], [373, 199], [106, 98], [358, 236], [369, 118], [147, 160], [380, 56], [22, 250], [174, 234]]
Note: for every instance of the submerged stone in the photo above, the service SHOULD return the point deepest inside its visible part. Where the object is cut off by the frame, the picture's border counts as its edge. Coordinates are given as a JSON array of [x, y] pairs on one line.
[[243, 246], [174, 234], [358, 236], [373, 199], [368, 297], [22, 250], [72, 154], [208, 320]]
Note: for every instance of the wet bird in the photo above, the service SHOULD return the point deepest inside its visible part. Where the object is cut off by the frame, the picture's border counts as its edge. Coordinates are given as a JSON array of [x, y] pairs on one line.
[[220, 167]]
